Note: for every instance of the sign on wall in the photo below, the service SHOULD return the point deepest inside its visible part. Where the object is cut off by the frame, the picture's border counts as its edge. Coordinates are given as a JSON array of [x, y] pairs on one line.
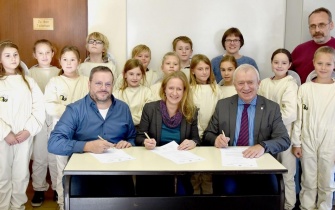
[[43, 24]]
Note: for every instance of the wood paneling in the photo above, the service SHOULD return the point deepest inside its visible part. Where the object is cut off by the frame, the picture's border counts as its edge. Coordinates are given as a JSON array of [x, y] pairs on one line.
[[70, 25]]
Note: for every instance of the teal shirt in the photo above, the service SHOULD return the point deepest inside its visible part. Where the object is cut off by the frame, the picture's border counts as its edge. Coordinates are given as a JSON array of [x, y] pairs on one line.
[[170, 134]]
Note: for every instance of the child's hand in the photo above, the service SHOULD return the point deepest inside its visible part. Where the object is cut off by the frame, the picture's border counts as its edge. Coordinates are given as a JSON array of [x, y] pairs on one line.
[[297, 152], [22, 136], [10, 139]]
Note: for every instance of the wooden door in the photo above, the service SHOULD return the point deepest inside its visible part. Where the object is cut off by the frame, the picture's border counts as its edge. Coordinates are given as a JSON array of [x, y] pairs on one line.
[[69, 25]]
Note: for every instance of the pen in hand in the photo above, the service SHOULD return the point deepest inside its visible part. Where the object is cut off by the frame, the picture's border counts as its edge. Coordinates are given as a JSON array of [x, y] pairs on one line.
[[225, 137], [223, 134], [149, 144], [104, 140], [146, 135]]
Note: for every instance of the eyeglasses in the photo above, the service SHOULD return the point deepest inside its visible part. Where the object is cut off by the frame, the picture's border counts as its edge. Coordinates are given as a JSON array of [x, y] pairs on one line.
[[92, 41], [100, 84], [232, 41], [320, 26]]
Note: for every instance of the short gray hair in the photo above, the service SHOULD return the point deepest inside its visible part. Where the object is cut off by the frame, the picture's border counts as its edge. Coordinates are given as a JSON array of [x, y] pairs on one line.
[[245, 68]]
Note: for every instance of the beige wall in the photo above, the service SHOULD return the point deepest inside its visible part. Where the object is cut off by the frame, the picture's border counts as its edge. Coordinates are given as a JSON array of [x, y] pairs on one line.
[[109, 18]]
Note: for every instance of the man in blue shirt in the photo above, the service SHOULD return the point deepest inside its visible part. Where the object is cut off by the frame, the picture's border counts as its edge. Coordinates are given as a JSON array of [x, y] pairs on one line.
[[77, 131]]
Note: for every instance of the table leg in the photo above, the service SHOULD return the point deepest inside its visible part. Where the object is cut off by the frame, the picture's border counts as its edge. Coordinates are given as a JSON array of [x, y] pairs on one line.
[[67, 183]]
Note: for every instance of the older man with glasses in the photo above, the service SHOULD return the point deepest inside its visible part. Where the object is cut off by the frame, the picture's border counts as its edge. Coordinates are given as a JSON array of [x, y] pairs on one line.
[[320, 24]]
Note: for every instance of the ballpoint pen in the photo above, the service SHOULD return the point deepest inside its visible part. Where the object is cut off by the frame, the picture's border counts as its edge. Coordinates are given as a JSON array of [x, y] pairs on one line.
[[146, 135], [104, 140], [224, 136], [101, 138]]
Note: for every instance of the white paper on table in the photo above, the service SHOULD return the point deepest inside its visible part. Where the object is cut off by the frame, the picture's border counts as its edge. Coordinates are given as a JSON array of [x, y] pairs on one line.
[[170, 151], [113, 155], [232, 156]]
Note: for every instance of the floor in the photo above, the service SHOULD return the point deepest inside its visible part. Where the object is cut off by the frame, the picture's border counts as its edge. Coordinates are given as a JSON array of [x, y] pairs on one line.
[[48, 203]]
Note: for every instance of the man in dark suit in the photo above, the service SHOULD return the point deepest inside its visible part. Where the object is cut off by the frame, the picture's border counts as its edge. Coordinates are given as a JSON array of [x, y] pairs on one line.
[[262, 126]]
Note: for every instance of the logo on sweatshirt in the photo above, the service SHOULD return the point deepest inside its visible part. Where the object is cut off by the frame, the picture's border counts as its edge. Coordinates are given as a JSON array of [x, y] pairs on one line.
[[3, 98], [305, 107], [63, 98]]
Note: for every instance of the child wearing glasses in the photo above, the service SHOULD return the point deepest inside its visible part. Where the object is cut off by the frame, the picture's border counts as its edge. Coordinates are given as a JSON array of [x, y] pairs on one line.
[[313, 133], [42, 72], [97, 46], [143, 54], [22, 115], [232, 41], [60, 91], [132, 91]]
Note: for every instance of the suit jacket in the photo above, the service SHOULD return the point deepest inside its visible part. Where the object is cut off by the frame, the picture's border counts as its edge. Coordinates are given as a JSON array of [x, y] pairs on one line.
[[151, 123], [269, 129]]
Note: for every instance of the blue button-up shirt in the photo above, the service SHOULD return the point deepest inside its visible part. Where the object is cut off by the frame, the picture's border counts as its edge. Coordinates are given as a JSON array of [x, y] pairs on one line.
[[82, 122], [251, 117]]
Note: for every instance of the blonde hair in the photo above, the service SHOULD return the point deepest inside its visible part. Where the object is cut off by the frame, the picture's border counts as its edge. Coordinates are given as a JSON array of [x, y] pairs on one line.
[[325, 49], [196, 59], [140, 48], [129, 65], [19, 70], [186, 105], [101, 37], [171, 54]]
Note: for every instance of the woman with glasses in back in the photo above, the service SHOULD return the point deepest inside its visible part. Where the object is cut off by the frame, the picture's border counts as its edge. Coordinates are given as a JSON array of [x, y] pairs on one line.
[[232, 41]]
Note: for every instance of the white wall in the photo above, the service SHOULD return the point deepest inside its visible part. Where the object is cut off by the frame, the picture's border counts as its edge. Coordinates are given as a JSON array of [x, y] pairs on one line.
[[109, 18], [157, 23], [258, 20]]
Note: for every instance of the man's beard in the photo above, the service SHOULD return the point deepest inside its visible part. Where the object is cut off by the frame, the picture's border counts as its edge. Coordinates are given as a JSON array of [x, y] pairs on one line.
[[319, 40]]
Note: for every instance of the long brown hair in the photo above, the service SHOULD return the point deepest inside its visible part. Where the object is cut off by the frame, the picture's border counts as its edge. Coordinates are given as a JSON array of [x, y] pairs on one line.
[[19, 70], [186, 105], [196, 59], [129, 65], [65, 49]]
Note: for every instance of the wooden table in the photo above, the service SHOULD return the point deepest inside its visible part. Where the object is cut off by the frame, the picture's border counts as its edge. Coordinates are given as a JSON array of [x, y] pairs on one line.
[[149, 163]]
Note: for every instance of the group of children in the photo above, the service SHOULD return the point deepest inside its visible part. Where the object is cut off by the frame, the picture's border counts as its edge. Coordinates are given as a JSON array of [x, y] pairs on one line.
[[307, 111]]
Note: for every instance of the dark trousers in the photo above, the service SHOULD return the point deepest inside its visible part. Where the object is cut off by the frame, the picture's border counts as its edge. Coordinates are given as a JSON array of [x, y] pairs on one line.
[[246, 184], [101, 186], [163, 185]]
